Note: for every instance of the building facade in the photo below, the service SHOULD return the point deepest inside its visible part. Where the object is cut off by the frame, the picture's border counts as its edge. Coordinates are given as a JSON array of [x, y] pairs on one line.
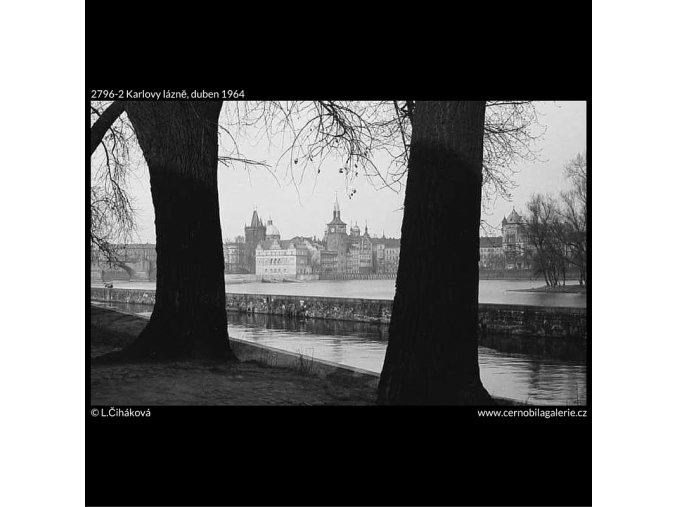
[[279, 259], [515, 242], [392, 256], [491, 253], [356, 253], [328, 261], [359, 253], [509, 251], [386, 255], [234, 256]]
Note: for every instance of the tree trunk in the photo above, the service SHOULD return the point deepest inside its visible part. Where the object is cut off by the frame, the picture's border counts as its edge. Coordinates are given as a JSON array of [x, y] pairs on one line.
[[180, 144], [432, 350]]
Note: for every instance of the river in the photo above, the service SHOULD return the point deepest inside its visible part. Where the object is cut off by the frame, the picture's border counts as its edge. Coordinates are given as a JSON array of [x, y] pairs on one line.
[[536, 371], [490, 291]]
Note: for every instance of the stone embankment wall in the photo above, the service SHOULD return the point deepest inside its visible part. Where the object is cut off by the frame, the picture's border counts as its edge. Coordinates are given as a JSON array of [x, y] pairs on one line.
[[362, 310], [541, 321], [521, 320]]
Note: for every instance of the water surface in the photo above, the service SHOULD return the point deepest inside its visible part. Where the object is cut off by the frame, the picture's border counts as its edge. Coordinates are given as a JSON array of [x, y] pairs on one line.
[[490, 291], [536, 371]]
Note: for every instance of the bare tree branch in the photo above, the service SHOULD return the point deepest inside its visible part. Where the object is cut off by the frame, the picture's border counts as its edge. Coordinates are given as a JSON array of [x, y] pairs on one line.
[[101, 126], [111, 208]]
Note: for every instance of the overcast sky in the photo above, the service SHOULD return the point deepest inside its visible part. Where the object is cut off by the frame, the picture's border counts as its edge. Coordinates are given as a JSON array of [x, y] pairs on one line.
[[306, 211]]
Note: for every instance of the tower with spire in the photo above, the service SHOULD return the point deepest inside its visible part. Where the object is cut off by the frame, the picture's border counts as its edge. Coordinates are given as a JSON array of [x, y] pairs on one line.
[[336, 237], [355, 230], [254, 233], [337, 209]]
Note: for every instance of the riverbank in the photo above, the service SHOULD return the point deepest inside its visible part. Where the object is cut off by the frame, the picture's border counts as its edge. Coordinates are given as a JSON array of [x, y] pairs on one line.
[[248, 382], [514, 320], [559, 289]]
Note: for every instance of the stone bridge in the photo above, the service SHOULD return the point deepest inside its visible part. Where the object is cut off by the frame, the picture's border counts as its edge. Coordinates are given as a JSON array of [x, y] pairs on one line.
[[134, 270]]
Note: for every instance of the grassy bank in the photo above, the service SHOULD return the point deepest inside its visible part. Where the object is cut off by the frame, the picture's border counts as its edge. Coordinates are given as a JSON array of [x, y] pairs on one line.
[[203, 382]]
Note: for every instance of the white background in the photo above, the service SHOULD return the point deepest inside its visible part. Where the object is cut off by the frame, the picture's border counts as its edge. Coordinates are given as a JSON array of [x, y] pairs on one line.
[[42, 379]]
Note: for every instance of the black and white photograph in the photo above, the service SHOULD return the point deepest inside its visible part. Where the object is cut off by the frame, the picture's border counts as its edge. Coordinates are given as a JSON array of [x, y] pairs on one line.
[[328, 252]]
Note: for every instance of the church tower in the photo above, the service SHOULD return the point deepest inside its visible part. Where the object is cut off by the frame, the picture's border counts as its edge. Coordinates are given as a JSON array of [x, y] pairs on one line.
[[337, 237], [254, 234]]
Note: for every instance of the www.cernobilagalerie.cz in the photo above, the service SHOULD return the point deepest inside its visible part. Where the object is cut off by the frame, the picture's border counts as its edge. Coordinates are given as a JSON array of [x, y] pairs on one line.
[[534, 412]]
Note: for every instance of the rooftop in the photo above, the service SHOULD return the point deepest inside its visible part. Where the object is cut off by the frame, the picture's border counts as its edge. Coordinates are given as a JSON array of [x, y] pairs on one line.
[[513, 218], [387, 242], [284, 244], [256, 221]]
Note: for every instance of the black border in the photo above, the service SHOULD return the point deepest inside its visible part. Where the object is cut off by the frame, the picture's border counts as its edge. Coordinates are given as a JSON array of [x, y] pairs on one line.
[[353, 455]]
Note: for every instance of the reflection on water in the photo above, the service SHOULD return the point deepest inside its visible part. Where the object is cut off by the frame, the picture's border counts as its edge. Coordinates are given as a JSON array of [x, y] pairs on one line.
[[490, 291], [547, 348], [337, 328], [537, 371], [533, 380]]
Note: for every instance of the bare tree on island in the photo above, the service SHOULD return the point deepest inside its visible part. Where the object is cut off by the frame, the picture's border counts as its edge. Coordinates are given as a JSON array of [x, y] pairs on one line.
[[179, 141], [544, 227], [575, 213], [557, 227]]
